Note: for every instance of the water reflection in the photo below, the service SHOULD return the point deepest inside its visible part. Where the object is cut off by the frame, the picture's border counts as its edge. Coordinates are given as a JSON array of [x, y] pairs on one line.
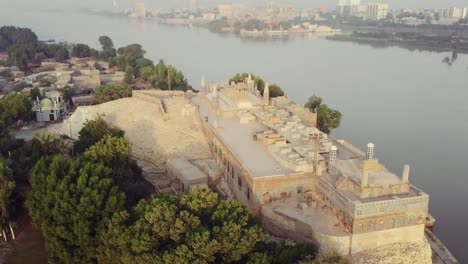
[[449, 60]]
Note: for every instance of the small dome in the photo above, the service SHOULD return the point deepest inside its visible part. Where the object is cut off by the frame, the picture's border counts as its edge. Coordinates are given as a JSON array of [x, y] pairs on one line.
[[46, 102], [370, 145]]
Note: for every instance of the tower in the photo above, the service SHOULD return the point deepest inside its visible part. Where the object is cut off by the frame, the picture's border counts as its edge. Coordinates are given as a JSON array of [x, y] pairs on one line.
[[370, 151], [266, 94], [333, 154], [194, 5], [406, 172], [203, 85]]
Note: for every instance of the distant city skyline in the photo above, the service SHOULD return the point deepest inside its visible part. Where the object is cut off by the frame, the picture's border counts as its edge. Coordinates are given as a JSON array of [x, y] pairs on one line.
[[393, 4]]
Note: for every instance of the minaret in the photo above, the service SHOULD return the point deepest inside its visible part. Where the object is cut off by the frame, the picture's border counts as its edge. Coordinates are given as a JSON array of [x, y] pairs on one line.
[[266, 94], [214, 96], [406, 172], [370, 151], [203, 85]]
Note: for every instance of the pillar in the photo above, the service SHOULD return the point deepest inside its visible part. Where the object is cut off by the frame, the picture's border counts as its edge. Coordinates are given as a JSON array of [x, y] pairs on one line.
[[365, 178], [406, 172]]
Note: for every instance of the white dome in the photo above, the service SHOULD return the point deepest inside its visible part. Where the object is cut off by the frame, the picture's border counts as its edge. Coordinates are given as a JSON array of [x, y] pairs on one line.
[[46, 102]]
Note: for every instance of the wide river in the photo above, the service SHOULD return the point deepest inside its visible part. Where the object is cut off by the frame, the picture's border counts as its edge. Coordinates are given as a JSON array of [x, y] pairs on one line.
[[413, 107]]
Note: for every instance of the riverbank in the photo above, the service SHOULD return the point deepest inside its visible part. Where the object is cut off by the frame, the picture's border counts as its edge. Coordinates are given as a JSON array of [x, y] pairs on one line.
[[407, 41]]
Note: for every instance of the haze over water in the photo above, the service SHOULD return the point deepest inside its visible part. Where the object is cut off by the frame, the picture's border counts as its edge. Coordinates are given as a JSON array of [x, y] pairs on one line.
[[408, 103]]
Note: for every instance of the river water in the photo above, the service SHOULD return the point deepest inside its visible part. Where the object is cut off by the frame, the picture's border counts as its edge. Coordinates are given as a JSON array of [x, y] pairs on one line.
[[412, 106]]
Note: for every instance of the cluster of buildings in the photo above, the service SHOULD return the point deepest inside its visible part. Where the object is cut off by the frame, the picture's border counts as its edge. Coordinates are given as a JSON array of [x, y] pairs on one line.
[[379, 11], [82, 75], [299, 179], [370, 11]]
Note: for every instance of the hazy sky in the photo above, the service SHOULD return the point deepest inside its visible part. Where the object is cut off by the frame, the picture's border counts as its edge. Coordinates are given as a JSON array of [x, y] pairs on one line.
[[179, 3]]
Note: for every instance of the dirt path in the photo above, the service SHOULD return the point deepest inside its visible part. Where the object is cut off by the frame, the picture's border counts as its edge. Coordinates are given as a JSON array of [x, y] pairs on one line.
[[28, 246]]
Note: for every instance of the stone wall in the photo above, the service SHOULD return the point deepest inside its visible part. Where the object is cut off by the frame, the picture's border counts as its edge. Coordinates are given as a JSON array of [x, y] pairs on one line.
[[397, 253], [367, 241], [291, 228]]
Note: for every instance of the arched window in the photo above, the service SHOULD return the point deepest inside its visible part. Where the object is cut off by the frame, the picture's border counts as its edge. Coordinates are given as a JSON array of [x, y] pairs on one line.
[[370, 226], [390, 223]]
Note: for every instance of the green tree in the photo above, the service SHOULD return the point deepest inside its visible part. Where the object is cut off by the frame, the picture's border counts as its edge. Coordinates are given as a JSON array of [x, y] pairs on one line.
[[93, 131], [71, 201], [5, 137], [21, 55], [275, 91], [134, 51], [11, 36], [106, 42], [129, 75], [49, 145], [7, 185], [195, 228], [84, 51], [35, 94], [314, 102], [15, 107], [109, 150], [67, 93], [146, 72], [106, 93], [160, 78], [108, 51], [327, 118], [58, 52]]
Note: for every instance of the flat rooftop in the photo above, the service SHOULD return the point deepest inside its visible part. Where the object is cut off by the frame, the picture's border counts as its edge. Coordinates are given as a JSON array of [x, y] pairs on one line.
[[239, 139]]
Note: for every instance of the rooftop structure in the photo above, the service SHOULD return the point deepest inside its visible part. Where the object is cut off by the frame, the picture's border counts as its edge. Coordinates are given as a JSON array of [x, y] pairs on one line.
[[270, 149]]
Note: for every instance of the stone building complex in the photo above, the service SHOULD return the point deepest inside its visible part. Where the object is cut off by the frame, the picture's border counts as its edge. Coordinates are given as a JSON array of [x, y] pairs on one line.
[[300, 180]]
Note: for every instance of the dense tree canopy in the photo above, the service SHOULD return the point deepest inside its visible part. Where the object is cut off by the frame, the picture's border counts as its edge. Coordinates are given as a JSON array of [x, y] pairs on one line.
[[83, 51], [70, 201], [58, 52], [193, 229], [11, 36], [7, 185], [15, 107], [93, 131], [159, 75], [21, 55], [24, 48], [106, 93]]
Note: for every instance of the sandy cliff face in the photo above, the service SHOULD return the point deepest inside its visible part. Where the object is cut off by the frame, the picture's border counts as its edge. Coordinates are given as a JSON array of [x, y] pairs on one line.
[[154, 137], [398, 253]]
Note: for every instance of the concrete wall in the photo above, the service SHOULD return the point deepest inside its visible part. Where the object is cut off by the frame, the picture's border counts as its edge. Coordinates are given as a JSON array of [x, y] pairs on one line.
[[367, 241]]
